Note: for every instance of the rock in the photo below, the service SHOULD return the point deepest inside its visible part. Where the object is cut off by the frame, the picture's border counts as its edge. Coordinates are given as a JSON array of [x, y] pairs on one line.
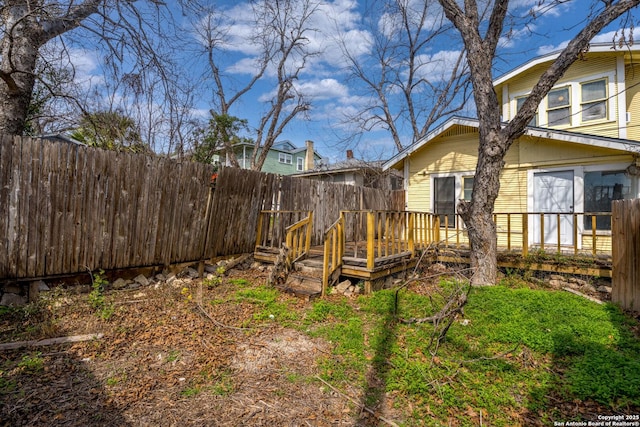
[[42, 287], [210, 268], [588, 288], [343, 286], [349, 291], [256, 265], [120, 283], [192, 272], [141, 280], [170, 279], [160, 277], [12, 300], [133, 285], [210, 276], [556, 284], [578, 282], [557, 277], [604, 289], [356, 290]]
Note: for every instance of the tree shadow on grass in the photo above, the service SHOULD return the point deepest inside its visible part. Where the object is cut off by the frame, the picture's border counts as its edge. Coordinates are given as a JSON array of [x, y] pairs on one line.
[[376, 377], [590, 377], [51, 385]]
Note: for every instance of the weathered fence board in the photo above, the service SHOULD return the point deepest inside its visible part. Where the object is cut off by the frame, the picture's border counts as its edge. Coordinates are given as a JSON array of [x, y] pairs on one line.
[[66, 208], [625, 230]]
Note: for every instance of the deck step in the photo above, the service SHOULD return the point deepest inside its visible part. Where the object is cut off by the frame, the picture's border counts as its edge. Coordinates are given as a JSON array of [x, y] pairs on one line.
[[309, 267], [303, 286]]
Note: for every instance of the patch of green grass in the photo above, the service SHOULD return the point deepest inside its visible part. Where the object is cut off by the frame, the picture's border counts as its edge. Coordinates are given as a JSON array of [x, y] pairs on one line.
[[190, 391], [272, 309], [173, 356], [517, 348], [239, 282], [32, 363]]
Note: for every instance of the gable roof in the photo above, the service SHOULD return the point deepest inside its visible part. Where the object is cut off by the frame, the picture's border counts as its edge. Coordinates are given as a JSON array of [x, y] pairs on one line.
[[558, 135], [551, 56]]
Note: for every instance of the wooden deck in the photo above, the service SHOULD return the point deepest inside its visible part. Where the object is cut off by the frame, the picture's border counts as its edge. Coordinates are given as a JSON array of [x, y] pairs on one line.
[[371, 245]]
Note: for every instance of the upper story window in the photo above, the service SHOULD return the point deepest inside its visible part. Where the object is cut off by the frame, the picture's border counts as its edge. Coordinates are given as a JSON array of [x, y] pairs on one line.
[[299, 164], [559, 107], [594, 100], [519, 102], [285, 158]]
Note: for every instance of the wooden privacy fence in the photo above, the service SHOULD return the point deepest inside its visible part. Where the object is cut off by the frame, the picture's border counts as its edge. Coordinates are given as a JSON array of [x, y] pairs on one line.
[[66, 208], [625, 232]]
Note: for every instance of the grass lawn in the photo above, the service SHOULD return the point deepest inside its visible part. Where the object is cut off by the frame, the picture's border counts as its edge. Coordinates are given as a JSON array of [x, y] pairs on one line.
[[518, 356], [235, 351]]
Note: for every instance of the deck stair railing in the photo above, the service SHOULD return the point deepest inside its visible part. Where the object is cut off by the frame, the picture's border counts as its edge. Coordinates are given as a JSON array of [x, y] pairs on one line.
[[276, 227], [334, 247], [298, 238]]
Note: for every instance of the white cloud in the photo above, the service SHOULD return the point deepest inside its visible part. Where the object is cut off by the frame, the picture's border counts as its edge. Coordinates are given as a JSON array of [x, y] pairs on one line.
[[437, 67]]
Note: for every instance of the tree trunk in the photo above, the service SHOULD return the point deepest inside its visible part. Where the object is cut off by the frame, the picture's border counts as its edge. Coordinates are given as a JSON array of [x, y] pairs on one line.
[[478, 214], [19, 56]]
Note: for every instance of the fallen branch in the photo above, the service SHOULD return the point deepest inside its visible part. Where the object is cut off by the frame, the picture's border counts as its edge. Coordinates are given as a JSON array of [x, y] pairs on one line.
[[50, 341], [590, 298], [453, 307], [231, 264], [355, 402]]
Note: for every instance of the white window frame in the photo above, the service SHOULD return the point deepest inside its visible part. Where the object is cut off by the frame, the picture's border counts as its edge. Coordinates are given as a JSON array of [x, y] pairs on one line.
[[285, 158], [567, 107], [459, 189], [575, 95], [299, 164], [605, 100]]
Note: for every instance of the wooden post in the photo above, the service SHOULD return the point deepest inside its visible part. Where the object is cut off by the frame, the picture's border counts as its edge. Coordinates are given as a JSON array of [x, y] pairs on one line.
[[325, 262], [542, 231], [371, 222], [411, 232], [525, 234], [307, 245], [559, 227], [594, 224]]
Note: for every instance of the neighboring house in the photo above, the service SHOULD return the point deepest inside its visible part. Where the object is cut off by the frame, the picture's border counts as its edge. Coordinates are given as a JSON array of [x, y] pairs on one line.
[[581, 151], [283, 158], [354, 171]]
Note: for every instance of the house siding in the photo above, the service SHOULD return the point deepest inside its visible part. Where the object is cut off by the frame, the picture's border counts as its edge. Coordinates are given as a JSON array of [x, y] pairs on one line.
[[457, 155], [594, 67], [633, 101]]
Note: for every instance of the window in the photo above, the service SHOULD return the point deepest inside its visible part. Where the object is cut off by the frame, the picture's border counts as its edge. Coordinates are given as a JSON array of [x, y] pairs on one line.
[[285, 158], [444, 199], [558, 107], [600, 189], [299, 164], [519, 102], [467, 188], [594, 100]]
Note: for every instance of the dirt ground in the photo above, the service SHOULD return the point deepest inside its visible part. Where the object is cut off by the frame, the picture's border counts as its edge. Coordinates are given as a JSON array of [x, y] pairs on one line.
[[164, 361]]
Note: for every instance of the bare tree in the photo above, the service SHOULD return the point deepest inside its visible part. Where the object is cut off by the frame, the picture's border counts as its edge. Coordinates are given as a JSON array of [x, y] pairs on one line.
[[131, 41], [280, 35], [26, 27], [481, 40], [407, 88]]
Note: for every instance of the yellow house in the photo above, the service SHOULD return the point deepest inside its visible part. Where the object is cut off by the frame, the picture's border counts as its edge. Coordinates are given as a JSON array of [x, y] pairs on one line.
[[581, 151]]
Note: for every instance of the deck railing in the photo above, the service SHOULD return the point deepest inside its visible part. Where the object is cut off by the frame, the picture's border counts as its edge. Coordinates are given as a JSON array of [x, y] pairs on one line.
[[585, 233], [298, 238], [334, 246], [272, 226]]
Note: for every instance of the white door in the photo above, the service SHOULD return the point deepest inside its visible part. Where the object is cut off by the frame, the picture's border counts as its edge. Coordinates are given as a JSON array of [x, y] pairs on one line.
[[553, 193]]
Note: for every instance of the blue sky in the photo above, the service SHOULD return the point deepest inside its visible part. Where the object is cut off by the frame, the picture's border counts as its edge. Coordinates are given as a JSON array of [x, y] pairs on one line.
[[326, 81]]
